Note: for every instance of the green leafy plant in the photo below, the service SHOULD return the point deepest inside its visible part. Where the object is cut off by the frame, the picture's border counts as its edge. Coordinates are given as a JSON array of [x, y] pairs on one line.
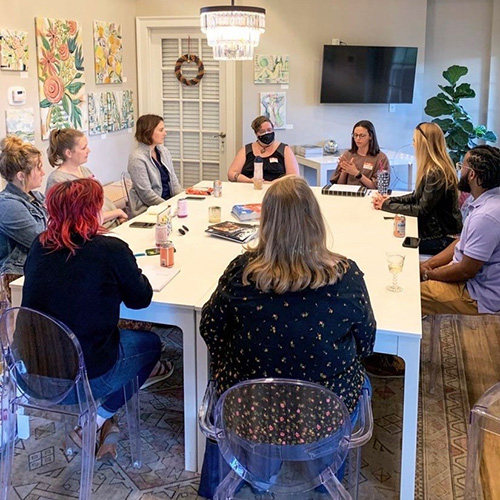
[[460, 133]]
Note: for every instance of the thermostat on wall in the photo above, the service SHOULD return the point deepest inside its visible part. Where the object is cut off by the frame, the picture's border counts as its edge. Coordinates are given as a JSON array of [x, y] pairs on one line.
[[16, 96]]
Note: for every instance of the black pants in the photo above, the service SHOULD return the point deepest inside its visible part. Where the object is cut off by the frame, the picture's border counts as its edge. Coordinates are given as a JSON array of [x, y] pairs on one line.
[[434, 246]]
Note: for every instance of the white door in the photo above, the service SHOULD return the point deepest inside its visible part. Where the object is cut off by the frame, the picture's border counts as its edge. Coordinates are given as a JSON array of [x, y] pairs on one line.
[[201, 133]]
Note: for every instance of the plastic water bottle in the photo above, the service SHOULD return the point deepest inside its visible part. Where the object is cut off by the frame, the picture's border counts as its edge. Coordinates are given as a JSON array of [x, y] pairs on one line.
[[258, 173], [383, 178]]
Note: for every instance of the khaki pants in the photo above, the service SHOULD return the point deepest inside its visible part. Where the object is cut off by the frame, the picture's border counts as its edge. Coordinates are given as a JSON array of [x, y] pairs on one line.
[[446, 298]]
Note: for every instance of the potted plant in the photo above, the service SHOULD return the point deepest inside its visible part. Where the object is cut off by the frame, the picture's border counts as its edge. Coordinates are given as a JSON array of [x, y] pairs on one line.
[[459, 131]]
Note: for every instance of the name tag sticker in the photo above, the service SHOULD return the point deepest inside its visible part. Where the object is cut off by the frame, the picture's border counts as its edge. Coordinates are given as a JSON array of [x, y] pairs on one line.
[[273, 160], [368, 166]]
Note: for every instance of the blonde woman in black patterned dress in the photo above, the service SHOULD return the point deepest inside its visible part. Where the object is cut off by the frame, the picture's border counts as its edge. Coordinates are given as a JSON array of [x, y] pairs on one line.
[[289, 308]]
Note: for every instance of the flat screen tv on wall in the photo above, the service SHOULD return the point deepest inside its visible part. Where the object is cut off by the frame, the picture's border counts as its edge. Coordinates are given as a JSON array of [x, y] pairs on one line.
[[358, 74]]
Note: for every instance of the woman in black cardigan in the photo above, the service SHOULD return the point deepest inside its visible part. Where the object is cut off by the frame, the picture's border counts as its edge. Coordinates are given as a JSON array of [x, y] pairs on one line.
[[435, 199]]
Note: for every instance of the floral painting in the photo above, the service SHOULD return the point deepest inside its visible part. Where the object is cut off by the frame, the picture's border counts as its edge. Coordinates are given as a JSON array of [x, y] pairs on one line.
[[14, 50], [21, 122], [271, 69], [110, 111], [273, 105], [60, 75], [108, 52]]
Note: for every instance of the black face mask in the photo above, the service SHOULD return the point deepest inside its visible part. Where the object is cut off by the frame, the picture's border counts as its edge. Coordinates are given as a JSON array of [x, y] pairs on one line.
[[266, 138]]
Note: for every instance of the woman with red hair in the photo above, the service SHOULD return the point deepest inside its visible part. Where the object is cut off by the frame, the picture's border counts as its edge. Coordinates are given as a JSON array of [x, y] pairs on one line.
[[79, 276]]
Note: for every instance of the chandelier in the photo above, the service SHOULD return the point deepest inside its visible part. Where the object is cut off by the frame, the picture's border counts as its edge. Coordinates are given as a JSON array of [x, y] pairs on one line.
[[233, 31]]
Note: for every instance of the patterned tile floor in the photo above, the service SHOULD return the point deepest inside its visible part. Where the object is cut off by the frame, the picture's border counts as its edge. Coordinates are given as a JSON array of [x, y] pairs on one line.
[[43, 472]]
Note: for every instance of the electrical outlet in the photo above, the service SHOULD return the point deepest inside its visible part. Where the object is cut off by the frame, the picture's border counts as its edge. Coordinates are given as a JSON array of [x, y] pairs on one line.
[[392, 108]]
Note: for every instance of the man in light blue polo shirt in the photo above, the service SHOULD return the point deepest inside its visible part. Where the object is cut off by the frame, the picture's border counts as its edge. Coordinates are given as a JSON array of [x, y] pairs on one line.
[[465, 277]]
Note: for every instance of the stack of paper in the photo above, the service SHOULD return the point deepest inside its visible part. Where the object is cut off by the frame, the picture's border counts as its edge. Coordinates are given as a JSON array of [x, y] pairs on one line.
[[158, 276], [309, 150]]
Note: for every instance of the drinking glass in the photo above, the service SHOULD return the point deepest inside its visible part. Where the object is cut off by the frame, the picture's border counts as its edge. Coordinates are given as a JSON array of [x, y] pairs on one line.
[[214, 214], [395, 263]]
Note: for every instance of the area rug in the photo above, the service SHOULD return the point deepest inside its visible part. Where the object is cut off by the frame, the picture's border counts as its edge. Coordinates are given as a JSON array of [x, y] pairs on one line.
[[42, 471]]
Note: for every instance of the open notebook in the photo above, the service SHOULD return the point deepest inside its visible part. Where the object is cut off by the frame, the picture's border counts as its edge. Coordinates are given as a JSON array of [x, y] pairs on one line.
[[158, 276]]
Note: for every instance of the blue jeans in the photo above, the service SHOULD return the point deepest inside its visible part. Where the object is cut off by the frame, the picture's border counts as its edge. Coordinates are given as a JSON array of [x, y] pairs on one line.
[[138, 353], [215, 468]]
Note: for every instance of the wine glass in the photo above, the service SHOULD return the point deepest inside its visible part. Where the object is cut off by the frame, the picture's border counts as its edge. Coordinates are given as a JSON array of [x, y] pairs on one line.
[[395, 263]]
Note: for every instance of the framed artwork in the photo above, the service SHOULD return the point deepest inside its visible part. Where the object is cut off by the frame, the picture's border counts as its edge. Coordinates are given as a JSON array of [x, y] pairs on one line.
[[21, 122], [110, 111], [14, 52], [271, 69], [98, 113], [61, 83], [273, 105], [108, 52]]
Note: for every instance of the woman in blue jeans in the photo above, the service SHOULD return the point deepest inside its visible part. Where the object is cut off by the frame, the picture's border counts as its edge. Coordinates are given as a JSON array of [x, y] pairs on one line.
[[79, 276]]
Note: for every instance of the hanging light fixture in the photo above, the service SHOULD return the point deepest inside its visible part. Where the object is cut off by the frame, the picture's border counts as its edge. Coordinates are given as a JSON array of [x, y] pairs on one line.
[[233, 31]]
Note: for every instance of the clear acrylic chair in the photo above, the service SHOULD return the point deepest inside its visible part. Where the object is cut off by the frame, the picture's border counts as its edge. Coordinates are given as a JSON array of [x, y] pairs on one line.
[[44, 373], [283, 436], [403, 169], [482, 447]]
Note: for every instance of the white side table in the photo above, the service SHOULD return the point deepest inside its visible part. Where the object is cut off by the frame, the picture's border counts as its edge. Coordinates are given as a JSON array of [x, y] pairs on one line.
[[323, 167]]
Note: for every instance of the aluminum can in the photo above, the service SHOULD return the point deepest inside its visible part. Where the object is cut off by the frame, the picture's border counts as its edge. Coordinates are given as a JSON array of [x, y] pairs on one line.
[[161, 234], [399, 226], [167, 254], [182, 208], [217, 189]]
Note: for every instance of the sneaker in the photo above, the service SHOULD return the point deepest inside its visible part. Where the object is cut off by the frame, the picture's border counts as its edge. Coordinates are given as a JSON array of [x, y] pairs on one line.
[[166, 369], [384, 366]]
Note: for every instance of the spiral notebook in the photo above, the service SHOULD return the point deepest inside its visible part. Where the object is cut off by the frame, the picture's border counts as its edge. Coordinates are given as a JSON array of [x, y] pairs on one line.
[[344, 190]]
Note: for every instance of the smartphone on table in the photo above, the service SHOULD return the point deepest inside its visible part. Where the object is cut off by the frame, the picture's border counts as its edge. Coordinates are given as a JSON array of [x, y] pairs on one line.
[[144, 225], [411, 242]]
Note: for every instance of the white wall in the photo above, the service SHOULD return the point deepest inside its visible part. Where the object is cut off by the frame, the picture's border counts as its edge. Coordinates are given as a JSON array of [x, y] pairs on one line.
[[301, 31], [108, 157], [460, 32], [494, 101]]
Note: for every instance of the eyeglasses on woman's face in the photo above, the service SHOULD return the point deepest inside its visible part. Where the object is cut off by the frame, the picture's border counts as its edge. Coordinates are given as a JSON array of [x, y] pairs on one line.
[[359, 136]]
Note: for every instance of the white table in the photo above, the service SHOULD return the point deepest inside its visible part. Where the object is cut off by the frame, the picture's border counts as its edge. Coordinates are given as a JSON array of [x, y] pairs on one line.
[[357, 230]]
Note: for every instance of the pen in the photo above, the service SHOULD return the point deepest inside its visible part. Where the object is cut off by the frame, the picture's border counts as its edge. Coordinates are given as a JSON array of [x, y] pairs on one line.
[[139, 254]]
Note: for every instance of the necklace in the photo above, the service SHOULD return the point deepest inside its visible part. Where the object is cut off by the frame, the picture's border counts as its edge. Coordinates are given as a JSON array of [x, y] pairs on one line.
[[263, 149]]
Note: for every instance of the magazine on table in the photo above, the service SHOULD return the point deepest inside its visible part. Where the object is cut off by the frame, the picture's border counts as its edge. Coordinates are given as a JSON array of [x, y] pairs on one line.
[[250, 211], [234, 231], [344, 190]]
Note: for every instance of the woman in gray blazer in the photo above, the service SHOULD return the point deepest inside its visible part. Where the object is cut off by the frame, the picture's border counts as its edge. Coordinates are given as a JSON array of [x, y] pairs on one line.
[[150, 166]]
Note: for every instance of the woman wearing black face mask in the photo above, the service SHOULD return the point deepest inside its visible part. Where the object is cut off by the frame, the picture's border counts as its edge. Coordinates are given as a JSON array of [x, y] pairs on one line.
[[279, 159]]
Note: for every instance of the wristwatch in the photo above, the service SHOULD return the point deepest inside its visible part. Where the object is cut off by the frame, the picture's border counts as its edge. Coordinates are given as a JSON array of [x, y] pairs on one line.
[[359, 176]]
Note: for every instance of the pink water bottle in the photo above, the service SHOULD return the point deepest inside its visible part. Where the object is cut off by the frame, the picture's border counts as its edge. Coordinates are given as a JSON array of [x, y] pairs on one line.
[[182, 208]]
